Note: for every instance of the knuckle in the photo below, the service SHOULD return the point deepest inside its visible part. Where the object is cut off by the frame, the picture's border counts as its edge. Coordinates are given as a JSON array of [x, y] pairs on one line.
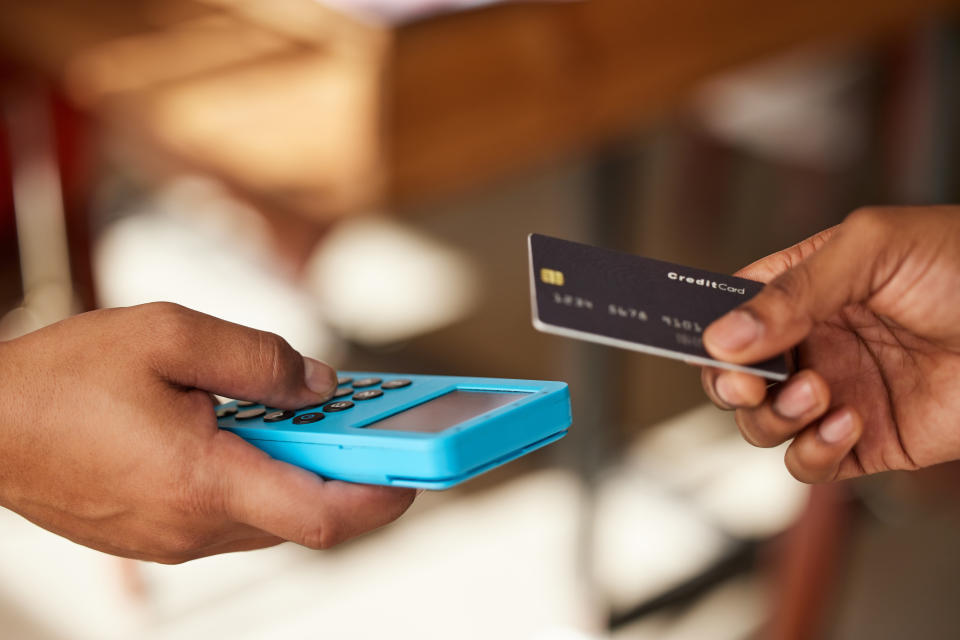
[[707, 381], [169, 322], [319, 536], [799, 472], [754, 430], [790, 287], [786, 298], [164, 310], [743, 423], [868, 221], [272, 356], [182, 544], [802, 470], [863, 216]]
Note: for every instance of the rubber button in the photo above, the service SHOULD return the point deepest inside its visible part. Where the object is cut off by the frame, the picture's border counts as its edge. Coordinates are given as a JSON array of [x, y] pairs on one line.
[[399, 383], [307, 418], [246, 403], [369, 394], [223, 412], [339, 393], [339, 405], [344, 380], [278, 416], [366, 382], [249, 414]]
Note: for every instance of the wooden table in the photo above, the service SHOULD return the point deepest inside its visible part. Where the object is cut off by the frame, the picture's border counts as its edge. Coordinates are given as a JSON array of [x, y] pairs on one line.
[[310, 112]]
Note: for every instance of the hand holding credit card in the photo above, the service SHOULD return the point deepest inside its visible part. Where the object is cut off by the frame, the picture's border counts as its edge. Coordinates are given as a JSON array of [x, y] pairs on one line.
[[636, 303]]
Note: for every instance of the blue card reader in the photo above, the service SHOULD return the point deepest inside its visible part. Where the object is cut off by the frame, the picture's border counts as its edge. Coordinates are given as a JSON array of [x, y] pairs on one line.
[[425, 432]]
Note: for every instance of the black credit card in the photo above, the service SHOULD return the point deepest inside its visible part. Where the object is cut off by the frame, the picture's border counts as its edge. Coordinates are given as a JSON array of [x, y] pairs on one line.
[[637, 303]]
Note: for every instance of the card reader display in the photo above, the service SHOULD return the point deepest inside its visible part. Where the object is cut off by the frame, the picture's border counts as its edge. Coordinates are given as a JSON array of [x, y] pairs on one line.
[[445, 411]]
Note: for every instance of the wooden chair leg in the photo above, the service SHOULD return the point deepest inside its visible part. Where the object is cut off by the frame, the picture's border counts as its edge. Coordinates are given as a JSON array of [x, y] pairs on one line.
[[808, 564]]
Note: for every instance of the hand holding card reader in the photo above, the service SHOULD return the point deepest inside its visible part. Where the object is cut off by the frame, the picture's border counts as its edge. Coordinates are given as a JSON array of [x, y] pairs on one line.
[[425, 432]]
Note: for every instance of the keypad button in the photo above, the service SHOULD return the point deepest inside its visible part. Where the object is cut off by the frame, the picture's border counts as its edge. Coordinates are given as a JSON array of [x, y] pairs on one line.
[[399, 383], [369, 394], [249, 414], [339, 393], [246, 403], [344, 380], [307, 418], [223, 412], [339, 405], [278, 416], [365, 382]]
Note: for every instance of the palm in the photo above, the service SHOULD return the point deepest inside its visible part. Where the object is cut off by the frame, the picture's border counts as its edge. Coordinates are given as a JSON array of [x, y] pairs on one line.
[[872, 309], [906, 389]]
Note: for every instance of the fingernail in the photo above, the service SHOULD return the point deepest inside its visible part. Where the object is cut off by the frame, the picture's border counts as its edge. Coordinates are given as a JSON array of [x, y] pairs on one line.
[[319, 378], [734, 331], [837, 427], [726, 391], [795, 400]]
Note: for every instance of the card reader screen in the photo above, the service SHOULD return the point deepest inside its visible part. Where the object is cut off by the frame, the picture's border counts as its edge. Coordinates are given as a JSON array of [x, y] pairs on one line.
[[445, 411]]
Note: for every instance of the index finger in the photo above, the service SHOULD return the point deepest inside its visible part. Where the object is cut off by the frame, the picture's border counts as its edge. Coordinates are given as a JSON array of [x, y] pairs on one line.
[[200, 351], [767, 268], [730, 390]]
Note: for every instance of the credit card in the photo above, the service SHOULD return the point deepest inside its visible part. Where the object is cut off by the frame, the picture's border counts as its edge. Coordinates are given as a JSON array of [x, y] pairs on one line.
[[628, 301]]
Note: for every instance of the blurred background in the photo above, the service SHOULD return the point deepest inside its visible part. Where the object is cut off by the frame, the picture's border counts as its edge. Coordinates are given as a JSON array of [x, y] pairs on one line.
[[360, 177]]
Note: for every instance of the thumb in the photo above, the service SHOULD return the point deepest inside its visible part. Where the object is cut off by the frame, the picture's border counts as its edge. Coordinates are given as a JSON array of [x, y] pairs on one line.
[[295, 504], [204, 352], [842, 271]]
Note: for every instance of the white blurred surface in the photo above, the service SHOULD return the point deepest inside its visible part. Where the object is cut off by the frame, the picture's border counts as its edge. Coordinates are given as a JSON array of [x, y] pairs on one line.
[[800, 108], [193, 245], [700, 455], [495, 564], [379, 281], [371, 279]]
